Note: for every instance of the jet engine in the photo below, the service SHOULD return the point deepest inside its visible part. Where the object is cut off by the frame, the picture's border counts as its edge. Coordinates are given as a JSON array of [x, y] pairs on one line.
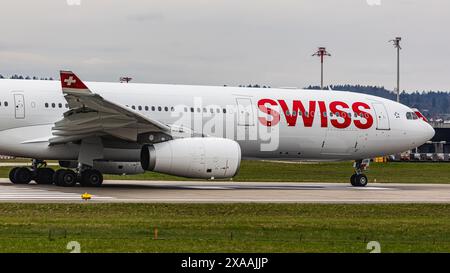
[[204, 158]]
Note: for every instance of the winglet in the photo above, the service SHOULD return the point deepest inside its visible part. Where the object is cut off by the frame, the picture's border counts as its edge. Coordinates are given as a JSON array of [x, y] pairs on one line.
[[72, 84]]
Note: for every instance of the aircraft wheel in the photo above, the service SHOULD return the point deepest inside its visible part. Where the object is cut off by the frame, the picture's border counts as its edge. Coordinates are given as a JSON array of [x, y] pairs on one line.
[[56, 175], [360, 180], [44, 176], [12, 175], [66, 178], [22, 176], [91, 178], [352, 180]]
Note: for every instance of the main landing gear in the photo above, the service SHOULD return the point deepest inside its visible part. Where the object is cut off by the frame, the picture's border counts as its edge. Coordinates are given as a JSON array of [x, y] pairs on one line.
[[86, 177], [38, 172], [359, 179]]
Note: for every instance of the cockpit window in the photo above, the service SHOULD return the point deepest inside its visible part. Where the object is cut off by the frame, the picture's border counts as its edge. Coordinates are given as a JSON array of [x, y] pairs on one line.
[[411, 116]]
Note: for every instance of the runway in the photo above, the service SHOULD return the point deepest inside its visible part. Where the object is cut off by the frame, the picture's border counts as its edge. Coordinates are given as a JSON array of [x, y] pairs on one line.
[[227, 192]]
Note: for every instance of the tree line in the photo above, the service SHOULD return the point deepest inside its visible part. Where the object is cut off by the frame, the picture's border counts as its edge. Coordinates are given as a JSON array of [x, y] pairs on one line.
[[433, 104], [21, 77]]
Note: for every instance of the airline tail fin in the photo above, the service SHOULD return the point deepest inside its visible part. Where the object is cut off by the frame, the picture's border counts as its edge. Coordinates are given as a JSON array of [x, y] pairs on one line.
[[71, 84]]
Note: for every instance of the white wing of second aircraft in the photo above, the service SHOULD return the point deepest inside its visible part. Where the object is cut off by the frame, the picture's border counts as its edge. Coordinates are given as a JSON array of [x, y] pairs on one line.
[[92, 115]]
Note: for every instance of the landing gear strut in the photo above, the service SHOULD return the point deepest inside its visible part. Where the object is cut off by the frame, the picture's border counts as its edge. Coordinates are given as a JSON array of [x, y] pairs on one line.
[[359, 179]]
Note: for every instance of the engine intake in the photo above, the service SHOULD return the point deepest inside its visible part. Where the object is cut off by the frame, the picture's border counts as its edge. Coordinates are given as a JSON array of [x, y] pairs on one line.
[[203, 158]]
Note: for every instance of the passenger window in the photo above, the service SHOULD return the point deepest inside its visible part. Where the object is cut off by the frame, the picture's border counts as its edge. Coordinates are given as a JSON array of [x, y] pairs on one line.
[[159, 108], [153, 108], [192, 109], [218, 111], [199, 110], [46, 105], [60, 105], [146, 108], [67, 105], [172, 109], [140, 108], [133, 107], [6, 104], [185, 109], [53, 105], [166, 109], [224, 110]]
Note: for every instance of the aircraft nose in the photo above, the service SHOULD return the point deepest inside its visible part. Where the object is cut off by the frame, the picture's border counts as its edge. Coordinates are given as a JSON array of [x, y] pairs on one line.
[[428, 131]]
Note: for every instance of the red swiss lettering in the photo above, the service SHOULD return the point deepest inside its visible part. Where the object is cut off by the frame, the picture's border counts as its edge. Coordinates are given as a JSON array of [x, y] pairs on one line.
[[323, 114], [273, 113], [341, 119], [298, 108], [368, 117], [342, 115]]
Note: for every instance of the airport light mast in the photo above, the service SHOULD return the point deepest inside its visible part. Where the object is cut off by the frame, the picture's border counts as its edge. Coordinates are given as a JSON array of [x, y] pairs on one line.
[[321, 53], [396, 43]]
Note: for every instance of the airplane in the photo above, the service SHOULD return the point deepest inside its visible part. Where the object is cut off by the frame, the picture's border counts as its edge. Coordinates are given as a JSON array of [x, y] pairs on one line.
[[200, 132]]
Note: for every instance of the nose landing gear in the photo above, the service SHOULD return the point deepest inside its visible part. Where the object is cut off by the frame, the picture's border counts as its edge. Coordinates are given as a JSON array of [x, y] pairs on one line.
[[359, 179]]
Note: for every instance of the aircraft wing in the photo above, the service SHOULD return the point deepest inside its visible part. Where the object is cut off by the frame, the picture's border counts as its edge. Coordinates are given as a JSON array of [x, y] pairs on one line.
[[91, 115]]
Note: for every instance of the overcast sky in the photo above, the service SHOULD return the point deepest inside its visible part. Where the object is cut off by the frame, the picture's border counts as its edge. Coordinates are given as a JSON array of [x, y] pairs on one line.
[[216, 42]]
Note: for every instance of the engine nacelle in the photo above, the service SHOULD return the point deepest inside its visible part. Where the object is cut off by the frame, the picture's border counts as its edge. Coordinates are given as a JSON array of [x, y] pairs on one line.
[[203, 158], [114, 167]]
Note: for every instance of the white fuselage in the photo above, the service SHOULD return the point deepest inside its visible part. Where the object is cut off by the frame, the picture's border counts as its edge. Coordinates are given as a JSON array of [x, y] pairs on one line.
[[255, 117]]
